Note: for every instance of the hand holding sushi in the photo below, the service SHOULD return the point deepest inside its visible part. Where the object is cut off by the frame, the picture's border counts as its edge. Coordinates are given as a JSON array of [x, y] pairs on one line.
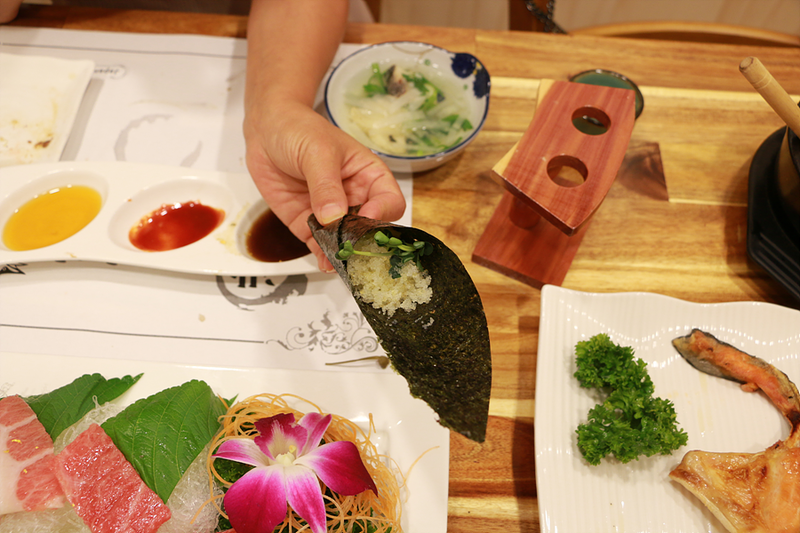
[[300, 162]]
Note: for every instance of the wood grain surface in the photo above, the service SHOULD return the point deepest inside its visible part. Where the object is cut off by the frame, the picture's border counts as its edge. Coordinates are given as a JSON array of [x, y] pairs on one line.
[[550, 137], [701, 118]]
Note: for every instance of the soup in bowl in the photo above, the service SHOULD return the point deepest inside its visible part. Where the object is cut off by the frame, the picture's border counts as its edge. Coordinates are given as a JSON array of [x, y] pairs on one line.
[[414, 104]]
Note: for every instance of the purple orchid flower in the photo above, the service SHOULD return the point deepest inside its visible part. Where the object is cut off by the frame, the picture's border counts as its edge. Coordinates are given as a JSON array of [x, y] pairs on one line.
[[288, 459]]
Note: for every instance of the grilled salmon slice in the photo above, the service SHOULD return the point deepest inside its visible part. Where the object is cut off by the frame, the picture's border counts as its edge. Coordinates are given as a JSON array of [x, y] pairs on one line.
[[747, 492]]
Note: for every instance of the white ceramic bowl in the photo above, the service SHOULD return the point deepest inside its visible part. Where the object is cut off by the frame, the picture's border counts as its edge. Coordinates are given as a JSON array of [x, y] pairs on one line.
[[447, 70]]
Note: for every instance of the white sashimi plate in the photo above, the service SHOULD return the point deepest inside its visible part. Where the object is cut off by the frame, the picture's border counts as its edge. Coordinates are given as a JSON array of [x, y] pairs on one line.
[[129, 192], [575, 497], [39, 100], [406, 426]]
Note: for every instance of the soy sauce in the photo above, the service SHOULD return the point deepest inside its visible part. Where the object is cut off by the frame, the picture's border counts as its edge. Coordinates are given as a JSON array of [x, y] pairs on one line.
[[174, 226], [270, 241]]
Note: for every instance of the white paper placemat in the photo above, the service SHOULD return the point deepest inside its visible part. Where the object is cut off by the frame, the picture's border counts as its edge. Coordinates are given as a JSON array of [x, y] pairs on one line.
[[175, 100]]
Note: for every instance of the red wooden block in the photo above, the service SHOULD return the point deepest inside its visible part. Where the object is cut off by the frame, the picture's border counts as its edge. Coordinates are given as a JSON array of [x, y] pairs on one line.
[[516, 242]]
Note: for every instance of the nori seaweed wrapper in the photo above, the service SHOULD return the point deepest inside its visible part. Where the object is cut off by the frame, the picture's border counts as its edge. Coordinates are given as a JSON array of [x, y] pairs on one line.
[[442, 347]]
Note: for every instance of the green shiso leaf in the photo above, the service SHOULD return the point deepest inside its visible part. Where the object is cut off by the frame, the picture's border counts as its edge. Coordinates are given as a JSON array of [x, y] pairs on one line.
[[162, 434], [59, 409]]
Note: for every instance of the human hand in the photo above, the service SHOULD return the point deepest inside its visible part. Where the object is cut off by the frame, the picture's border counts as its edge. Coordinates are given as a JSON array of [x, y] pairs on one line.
[[301, 164], [9, 10]]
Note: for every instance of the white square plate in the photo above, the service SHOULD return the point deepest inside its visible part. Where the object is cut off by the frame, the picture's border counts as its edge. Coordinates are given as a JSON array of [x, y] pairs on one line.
[[575, 497], [407, 426], [39, 99]]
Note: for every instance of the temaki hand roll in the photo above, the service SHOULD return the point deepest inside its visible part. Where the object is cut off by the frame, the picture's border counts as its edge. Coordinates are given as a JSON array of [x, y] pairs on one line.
[[430, 321]]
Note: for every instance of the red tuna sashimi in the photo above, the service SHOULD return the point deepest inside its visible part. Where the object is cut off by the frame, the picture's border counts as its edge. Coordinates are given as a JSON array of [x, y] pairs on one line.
[[105, 489], [26, 461]]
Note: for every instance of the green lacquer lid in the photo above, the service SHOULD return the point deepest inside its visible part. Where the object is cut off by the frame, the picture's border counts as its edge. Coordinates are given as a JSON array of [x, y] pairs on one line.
[[608, 78]]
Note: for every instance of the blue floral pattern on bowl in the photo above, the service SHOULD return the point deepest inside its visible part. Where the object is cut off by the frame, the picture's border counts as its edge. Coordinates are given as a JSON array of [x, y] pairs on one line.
[[464, 65]]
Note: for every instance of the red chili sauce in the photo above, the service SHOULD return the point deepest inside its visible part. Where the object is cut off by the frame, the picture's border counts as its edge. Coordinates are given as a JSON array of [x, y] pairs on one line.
[[174, 226], [269, 240]]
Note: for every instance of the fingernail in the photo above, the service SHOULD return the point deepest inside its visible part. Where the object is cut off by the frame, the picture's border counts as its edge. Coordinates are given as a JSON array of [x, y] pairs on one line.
[[325, 266], [329, 213]]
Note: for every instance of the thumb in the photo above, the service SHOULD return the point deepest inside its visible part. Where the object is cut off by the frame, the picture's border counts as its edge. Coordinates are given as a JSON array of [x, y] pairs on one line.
[[323, 174]]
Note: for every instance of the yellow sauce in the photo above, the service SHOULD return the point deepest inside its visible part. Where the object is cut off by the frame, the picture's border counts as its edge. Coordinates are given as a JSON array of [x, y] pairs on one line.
[[51, 217]]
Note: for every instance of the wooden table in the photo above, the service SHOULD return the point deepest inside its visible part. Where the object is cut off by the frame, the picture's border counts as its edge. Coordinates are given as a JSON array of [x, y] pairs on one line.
[[707, 121]]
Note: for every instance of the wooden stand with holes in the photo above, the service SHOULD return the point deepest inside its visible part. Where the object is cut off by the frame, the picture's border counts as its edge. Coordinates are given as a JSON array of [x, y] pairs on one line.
[[555, 178]]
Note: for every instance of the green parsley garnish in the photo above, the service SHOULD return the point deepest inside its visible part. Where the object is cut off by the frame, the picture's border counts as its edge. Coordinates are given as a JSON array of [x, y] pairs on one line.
[[630, 422], [398, 251]]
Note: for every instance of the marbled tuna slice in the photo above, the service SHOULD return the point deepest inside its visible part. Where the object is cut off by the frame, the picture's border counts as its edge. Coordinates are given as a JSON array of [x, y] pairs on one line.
[[105, 489], [26, 461]]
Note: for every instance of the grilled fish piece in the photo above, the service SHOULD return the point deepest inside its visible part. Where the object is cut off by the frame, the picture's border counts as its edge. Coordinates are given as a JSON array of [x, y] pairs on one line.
[[396, 84], [707, 354], [747, 492]]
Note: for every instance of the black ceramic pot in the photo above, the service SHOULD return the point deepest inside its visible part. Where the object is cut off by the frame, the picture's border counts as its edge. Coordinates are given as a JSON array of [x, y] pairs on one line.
[[773, 209], [788, 180]]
